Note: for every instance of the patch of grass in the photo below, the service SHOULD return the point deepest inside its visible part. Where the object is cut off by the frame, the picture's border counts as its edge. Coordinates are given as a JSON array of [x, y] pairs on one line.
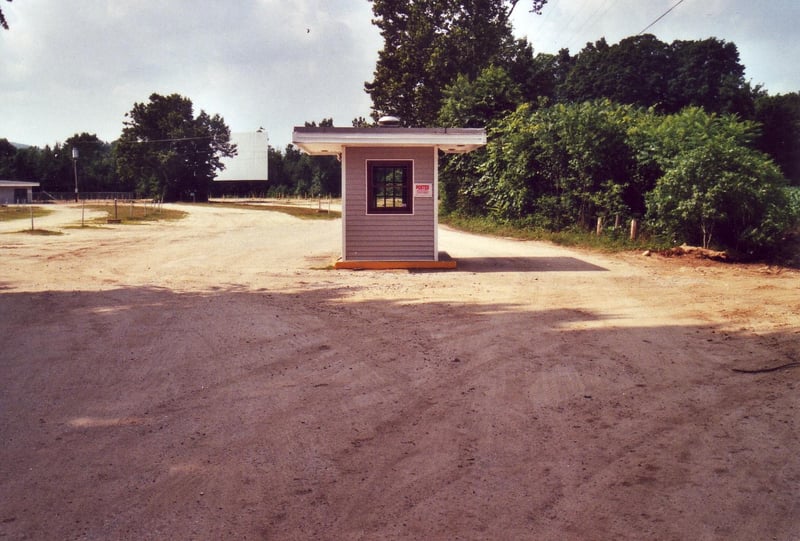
[[91, 225], [609, 241], [21, 212], [41, 232], [305, 213], [135, 214]]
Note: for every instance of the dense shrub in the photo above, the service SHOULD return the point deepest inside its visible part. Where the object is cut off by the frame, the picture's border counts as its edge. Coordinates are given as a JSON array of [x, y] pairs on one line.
[[722, 194], [694, 176]]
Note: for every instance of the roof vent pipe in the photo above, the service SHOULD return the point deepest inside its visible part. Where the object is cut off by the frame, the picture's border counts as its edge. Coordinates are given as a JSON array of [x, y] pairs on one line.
[[389, 121]]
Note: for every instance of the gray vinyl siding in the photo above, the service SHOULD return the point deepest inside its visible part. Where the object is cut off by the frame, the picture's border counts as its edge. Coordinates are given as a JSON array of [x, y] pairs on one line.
[[10, 196], [388, 237]]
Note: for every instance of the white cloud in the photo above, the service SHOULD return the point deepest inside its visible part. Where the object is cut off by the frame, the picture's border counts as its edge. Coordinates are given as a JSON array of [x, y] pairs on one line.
[[254, 62], [70, 67]]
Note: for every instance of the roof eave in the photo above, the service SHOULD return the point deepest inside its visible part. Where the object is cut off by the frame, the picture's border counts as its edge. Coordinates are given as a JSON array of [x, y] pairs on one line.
[[332, 141], [18, 184]]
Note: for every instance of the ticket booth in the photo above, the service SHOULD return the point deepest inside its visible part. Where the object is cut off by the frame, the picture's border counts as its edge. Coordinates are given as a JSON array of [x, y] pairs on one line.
[[389, 190]]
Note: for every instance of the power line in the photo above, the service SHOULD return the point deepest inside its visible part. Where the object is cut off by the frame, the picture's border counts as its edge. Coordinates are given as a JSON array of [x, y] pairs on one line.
[[171, 140], [589, 19], [568, 27], [660, 17]]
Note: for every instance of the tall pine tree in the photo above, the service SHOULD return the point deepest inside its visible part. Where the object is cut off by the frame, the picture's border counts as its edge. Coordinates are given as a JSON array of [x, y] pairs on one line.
[[428, 44]]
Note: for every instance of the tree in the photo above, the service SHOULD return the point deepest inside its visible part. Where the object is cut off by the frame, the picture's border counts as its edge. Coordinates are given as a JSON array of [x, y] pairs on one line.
[[167, 152], [725, 194], [634, 71], [50, 166], [95, 163], [472, 104], [278, 182], [641, 70], [3, 21], [542, 76], [660, 140], [299, 170], [361, 122], [475, 104], [706, 183], [324, 123], [428, 44], [7, 153], [707, 73], [536, 5], [325, 171], [53, 167], [560, 166], [780, 131]]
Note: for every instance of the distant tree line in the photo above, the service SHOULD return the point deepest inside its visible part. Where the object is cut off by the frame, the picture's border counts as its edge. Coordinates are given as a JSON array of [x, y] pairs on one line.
[[53, 166], [165, 152], [295, 173], [668, 133]]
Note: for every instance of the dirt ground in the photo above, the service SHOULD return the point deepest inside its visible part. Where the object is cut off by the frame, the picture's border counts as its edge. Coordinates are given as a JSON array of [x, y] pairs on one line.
[[212, 378]]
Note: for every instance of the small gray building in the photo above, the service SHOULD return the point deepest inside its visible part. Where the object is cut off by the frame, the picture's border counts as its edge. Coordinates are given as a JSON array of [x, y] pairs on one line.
[[14, 192], [390, 181]]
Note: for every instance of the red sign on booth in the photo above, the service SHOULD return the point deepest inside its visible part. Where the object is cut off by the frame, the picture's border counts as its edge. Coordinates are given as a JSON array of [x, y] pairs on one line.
[[423, 190]]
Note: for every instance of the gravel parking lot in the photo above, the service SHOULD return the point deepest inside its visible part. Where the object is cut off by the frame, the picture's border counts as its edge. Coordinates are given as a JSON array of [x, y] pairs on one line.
[[213, 378]]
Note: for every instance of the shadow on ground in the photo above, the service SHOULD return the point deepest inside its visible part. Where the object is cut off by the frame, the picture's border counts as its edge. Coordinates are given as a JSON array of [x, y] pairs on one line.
[[526, 264]]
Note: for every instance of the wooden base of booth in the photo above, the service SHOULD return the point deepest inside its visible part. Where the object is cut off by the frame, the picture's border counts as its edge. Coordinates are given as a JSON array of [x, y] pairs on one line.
[[387, 265]]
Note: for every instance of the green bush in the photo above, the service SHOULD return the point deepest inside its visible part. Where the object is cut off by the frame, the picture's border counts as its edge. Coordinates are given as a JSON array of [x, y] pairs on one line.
[[725, 195], [694, 176]]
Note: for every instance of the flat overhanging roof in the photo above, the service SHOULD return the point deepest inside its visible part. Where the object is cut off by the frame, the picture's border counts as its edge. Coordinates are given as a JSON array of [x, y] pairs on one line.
[[18, 184], [331, 141]]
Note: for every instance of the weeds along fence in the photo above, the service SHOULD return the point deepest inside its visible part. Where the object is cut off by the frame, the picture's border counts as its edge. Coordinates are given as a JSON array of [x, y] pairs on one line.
[[320, 202], [131, 209]]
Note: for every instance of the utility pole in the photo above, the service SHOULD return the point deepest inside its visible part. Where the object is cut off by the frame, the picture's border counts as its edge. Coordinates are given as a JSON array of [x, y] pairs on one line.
[[75, 169]]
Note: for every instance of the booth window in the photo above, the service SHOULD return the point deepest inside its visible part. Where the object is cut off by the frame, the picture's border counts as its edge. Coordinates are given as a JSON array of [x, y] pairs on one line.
[[389, 187]]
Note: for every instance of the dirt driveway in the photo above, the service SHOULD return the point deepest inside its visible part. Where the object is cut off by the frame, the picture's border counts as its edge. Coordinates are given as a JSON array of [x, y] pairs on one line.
[[212, 379]]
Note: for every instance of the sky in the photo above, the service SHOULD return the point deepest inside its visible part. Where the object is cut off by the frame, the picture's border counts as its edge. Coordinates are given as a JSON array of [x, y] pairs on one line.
[[74, 66]]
